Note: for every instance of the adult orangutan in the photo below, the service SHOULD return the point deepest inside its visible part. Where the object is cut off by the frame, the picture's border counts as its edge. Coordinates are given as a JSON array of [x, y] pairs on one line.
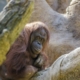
[[27, 54]]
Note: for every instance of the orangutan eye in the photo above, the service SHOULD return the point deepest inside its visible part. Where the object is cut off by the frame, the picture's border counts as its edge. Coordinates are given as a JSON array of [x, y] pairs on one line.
[[38, 38], [42, 40]]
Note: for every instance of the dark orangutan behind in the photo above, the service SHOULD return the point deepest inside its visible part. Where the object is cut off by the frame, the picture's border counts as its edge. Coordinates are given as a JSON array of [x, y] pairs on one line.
[[27, 54]]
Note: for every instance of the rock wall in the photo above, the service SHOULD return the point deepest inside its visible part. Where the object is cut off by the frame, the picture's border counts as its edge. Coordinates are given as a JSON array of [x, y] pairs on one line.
[[59, 5], [64, 36], [64, 28]]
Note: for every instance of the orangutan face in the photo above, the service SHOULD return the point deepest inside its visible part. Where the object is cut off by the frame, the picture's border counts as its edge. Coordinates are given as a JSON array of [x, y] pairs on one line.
[[38, 39]]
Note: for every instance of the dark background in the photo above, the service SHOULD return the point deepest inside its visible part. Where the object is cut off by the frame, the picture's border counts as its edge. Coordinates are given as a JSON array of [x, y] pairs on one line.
[[2, 4]]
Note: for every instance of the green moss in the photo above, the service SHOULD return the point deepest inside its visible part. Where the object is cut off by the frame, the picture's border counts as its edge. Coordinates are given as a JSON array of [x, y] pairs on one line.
[[71, 74], [9, 37]]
